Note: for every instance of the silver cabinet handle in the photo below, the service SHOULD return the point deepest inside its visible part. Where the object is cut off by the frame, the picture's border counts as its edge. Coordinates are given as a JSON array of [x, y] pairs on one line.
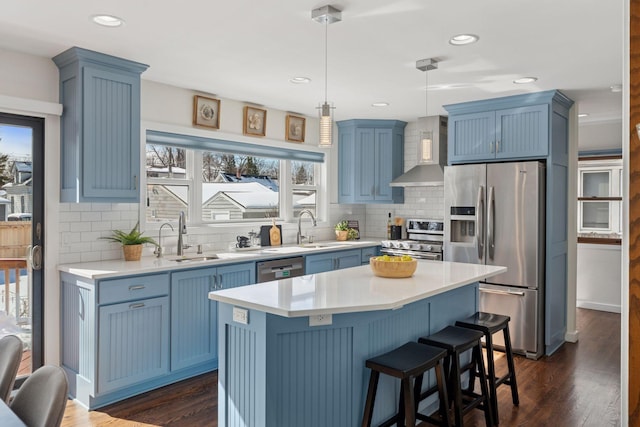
[[219, 281], [136, 287], [497, 146], [491, 226], [134, 306], [212, 283], [480, 222], [492, 291]]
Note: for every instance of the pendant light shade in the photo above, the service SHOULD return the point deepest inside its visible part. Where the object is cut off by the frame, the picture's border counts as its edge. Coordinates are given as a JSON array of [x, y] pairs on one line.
[[425, 147], [326, 15]]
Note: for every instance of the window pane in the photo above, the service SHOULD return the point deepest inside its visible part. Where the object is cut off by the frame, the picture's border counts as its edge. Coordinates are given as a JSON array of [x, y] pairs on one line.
[[166, 162], [304, 199], [302, 173], [595, 184], [239, 187], [595, 215], [164, 202]]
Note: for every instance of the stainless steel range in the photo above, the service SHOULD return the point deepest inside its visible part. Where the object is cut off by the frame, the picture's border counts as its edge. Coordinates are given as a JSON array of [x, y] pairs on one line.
[[424, 240]]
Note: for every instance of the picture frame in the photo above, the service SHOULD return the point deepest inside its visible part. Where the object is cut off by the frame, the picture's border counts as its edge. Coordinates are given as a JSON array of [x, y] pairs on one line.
[[254, 122], [295, 128], [206, 112]]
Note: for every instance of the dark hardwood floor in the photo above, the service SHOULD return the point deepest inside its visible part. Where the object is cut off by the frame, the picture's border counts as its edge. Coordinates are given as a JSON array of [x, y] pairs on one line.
[[578, 386]]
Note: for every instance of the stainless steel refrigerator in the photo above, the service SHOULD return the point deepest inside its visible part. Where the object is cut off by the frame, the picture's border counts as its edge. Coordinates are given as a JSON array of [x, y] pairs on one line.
[[494, 215]]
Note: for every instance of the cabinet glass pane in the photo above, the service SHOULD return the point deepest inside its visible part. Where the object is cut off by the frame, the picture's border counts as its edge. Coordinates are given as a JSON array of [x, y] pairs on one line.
[[595, 215], [595, 184]]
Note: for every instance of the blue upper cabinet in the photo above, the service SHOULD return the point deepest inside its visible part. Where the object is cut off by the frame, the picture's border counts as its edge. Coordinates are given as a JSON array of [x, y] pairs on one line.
[[511, 128], [370, 156], [100, 128]]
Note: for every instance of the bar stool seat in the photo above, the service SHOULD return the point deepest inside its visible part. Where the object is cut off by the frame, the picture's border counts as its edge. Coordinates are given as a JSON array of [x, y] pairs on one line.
[[489, 324], [456, 341], [408, 362]]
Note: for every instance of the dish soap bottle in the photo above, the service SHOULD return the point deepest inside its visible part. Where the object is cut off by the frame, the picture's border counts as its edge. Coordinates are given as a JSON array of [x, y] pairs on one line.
[[389, 227]]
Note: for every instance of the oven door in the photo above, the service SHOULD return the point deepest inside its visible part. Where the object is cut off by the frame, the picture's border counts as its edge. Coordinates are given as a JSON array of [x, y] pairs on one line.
[[433, 256]]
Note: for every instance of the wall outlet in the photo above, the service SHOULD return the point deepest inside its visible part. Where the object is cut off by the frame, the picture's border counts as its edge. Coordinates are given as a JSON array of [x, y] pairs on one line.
[[241, 315], [320, 320]]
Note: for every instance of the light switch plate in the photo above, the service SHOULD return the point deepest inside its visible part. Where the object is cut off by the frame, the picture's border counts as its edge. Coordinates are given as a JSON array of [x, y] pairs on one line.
[[320, 319], [241, 315]]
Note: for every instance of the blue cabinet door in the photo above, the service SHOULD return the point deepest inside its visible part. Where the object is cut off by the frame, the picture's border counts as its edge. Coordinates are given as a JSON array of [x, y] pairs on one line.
[[346, 259], [111, 135], [319, 263], [367, 253], [522, 132], [231, 276], [471, 137], [384, 155], [365, 165], [194, 335], [370, 156], [133, 342]]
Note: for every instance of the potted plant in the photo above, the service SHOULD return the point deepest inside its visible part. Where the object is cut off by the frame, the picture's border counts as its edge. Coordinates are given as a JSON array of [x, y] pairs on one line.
[[342, 230], [131, 242]]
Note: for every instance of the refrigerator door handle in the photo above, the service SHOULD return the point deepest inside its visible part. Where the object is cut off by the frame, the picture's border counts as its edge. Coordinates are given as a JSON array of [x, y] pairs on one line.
[[492, 291], [491, 226], [480, 222]]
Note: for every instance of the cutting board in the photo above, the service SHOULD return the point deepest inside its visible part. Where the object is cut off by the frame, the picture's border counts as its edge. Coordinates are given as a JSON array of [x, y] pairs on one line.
[[264, 235]]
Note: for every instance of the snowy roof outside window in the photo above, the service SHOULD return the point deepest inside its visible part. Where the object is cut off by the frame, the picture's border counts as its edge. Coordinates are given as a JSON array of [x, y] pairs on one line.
[[22, 166], [260, 179]]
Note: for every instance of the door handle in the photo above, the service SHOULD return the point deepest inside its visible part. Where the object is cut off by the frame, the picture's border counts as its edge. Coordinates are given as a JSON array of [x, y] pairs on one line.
[[36, 257], [134, 306], [136, 287], [491, 226], [480, 222], [493, 291]]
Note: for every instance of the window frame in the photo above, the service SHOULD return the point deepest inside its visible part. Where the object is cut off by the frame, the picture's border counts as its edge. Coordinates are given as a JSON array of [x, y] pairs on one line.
[[194, 181]]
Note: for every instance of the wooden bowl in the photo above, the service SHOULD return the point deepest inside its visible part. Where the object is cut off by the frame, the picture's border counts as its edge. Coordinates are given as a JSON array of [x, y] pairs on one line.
[[393, 269]]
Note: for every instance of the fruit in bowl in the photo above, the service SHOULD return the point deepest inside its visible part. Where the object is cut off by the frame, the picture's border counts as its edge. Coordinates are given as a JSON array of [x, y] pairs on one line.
[[393, 266]]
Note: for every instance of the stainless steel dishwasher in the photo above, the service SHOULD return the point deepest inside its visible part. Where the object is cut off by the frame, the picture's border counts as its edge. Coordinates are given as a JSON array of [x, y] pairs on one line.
[[280, 269]]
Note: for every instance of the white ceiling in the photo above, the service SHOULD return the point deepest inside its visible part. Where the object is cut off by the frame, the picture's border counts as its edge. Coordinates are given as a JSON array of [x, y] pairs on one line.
[[249, 49]]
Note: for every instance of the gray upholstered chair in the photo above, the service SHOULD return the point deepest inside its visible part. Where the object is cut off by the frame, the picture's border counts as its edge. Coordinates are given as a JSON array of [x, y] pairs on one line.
[[41, 399], [10, 357]]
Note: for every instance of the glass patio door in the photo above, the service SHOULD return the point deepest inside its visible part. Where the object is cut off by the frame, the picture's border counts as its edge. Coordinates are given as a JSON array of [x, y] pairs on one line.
[[22, 234]]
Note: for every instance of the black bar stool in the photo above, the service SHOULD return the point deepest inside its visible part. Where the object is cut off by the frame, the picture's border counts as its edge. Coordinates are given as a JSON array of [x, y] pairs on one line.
[[456, 341], [489, 324], [407, 362]]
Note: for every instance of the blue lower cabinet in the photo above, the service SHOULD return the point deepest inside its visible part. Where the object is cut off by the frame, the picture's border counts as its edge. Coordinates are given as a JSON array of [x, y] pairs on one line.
[[133, 342], [368, 253], [332, 261], [194, 317]]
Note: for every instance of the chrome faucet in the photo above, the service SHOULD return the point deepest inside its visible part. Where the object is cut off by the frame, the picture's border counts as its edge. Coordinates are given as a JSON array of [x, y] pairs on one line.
[[182, 229], [158, 250], [304, 211]]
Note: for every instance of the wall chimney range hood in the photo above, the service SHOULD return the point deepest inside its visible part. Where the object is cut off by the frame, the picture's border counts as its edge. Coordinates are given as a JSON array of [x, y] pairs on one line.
[[428, 173]]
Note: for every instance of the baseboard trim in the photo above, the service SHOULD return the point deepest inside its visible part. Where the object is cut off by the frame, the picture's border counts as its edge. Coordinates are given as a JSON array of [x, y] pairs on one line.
[[572, 336], [611, 308]]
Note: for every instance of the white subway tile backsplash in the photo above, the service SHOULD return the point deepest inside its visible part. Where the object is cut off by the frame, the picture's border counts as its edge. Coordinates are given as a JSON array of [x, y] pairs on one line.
[[90, 216]]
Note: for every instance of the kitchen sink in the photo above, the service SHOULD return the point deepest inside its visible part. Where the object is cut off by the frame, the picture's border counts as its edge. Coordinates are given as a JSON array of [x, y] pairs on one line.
[[196, 258], [314, 246]]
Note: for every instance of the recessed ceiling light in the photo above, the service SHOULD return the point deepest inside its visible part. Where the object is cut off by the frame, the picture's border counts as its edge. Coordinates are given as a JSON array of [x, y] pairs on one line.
[[107, 20], [462, 39], [525, 80], [616, 88], [299, 80], [380, 104], [583, 115]]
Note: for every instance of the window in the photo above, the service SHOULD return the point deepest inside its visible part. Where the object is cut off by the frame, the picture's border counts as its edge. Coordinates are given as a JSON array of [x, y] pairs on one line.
[[599, 196], [217, 186]]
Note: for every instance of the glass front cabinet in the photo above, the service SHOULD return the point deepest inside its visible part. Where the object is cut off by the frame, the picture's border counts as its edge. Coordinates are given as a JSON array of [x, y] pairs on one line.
[[599, 196]]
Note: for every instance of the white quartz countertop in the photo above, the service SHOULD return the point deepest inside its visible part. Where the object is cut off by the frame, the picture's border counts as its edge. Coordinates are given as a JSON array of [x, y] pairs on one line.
[[115, 268], [353, 289]]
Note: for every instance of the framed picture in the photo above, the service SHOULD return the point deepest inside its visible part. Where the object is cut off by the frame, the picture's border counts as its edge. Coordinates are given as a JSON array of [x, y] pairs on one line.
[[295, 128], [254, 122], [206, 112]]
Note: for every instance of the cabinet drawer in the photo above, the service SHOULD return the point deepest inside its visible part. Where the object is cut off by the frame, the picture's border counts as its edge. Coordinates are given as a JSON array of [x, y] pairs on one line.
[[368, 253], [132, 288]]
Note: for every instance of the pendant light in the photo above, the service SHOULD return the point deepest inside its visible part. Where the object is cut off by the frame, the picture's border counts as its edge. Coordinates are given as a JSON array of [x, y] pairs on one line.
[[425, 147], [326, 15]]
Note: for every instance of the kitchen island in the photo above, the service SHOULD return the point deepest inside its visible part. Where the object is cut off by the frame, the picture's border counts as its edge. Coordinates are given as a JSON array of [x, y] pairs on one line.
[[292, 352]]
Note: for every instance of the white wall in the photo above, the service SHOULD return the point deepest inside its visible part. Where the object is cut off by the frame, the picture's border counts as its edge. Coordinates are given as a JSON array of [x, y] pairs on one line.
[[599, 277]]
